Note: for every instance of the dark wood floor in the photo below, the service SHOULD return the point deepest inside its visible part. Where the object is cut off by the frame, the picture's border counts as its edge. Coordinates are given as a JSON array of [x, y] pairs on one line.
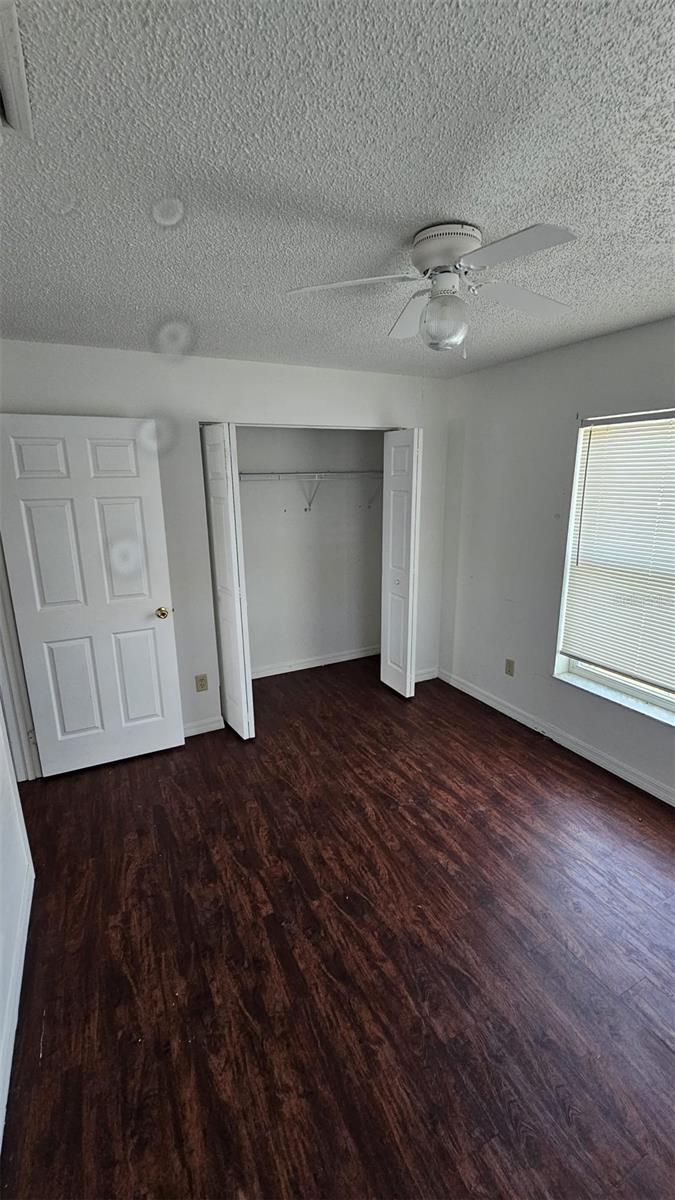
[[391, 949]]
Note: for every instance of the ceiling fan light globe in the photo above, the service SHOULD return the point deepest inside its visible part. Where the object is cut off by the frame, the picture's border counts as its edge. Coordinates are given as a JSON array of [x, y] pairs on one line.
[[443, 324]]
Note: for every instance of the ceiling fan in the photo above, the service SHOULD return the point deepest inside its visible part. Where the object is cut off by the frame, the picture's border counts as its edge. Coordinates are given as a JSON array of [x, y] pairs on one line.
[[447, 260]]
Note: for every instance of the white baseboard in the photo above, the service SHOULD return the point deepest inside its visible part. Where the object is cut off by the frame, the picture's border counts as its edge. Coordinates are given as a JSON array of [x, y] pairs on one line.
[[427, 673], [321, 660], [14, 991], [205, 726], [325, 660], [654, 786]]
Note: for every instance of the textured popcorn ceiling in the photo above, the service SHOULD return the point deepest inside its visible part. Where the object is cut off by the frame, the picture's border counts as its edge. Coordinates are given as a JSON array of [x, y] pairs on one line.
[[308, 140]]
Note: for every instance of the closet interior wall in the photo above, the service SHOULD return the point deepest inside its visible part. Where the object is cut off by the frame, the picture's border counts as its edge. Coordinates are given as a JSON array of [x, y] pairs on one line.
[[313, 571]]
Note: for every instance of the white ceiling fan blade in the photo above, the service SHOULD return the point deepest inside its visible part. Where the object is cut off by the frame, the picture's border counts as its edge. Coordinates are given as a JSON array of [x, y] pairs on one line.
[[529, 302], [347, 283], [407, 324], [516, 245]]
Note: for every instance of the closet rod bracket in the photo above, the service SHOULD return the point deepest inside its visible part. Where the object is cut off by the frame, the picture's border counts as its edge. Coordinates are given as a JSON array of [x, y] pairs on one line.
[[310, 499], [375, 494]]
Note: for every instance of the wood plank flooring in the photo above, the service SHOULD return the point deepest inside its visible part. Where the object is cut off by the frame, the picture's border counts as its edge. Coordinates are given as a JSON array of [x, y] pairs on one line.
[[390, 950]]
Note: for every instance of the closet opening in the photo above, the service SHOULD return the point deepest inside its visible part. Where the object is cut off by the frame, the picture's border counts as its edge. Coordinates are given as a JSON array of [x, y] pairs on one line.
[[313, 536]]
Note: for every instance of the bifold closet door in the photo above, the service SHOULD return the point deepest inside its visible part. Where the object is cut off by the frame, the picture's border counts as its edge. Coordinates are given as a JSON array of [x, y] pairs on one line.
[[83, 533], [221, 478], [401, 484]]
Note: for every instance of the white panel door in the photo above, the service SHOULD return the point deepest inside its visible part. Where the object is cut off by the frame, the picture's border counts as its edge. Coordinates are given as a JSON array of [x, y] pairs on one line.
[[83, 531], [221, 480], [400, 542]]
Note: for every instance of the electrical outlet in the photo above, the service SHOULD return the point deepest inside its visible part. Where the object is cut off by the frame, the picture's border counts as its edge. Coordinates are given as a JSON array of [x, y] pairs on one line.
[[509, 666], [201, 683]]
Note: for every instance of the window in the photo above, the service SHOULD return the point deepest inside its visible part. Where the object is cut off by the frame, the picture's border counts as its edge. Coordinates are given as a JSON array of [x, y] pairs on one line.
[[617, 618]]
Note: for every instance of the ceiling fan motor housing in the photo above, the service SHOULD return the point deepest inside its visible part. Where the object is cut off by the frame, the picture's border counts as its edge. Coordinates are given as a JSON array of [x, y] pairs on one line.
[[440, 246], [445, 282]]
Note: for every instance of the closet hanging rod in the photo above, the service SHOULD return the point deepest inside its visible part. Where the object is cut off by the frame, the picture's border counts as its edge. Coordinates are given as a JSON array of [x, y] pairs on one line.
[[275, 476]]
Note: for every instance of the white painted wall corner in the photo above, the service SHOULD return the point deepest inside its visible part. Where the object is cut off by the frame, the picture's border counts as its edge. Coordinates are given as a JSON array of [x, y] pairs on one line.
[[427, 673], [208, 725], [321, 660]]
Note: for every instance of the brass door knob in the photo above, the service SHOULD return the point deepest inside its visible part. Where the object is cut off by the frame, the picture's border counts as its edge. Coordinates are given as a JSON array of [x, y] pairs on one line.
[[162, 612]]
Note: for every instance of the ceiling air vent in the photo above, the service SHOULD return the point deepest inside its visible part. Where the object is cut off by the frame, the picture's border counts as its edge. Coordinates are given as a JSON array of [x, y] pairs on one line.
[[15, 110]]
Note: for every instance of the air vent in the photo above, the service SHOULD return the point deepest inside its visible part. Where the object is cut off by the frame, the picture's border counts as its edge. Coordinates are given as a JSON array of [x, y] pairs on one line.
[[13, 89]]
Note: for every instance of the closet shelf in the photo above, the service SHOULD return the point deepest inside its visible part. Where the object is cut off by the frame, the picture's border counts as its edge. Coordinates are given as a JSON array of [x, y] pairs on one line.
[[315, 477], [275, 476]]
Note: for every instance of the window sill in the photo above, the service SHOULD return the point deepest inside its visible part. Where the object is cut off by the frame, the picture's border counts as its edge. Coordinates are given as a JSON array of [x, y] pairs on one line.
[[655, 711]]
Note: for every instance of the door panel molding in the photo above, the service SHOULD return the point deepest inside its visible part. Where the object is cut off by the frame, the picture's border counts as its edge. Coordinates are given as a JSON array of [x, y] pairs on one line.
[[137, 665], [42, 530], [40, 458], [74, 686]]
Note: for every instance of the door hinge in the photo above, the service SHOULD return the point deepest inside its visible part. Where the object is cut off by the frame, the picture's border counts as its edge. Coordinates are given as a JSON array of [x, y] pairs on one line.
[[30, 734]]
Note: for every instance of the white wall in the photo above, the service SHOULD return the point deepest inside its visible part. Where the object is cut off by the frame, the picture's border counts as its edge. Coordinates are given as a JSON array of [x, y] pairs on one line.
[[46, 378], [277, 449], [512, 439], [16, 890], [312, 577]]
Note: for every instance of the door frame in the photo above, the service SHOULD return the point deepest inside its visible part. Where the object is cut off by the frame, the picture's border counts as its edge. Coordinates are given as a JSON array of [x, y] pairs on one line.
[[383, 429], [9, 1012], [14, 699]]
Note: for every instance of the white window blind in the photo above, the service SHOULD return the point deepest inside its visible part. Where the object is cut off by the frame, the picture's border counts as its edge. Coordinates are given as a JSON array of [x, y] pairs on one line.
[[619, 601]]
